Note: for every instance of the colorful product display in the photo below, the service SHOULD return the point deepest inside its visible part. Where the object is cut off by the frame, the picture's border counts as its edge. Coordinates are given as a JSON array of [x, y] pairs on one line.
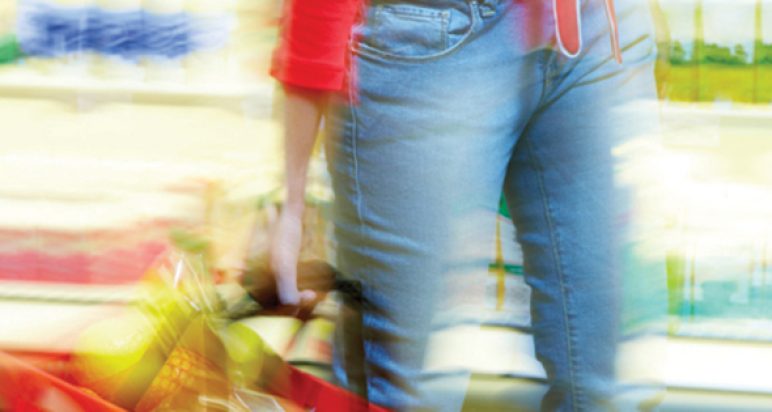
[[119, 28], [721, 286], [112, 256], [716, 51], [199, 41]]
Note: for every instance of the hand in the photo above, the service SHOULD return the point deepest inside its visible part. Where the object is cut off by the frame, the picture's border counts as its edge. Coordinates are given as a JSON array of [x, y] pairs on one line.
[[283, 259]]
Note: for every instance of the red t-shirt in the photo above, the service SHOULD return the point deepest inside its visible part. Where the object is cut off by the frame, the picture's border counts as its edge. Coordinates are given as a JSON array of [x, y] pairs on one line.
[[315, 36]]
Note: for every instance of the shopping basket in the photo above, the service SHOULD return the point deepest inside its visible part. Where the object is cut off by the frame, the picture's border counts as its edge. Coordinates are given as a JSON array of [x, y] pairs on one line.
[[26, 388], [195, 359]]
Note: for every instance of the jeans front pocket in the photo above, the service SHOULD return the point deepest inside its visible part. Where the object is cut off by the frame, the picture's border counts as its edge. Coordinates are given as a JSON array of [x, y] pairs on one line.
[[409, 32]]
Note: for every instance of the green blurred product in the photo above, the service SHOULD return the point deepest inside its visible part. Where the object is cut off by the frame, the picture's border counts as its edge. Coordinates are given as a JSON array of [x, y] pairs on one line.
[[9, 49]]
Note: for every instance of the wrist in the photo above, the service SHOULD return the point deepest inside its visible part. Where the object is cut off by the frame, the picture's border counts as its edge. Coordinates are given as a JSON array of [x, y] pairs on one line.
[[294, 205]]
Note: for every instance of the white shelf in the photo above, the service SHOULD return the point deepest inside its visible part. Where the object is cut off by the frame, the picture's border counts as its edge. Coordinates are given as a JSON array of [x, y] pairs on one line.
[[254, 97], [678, 362]]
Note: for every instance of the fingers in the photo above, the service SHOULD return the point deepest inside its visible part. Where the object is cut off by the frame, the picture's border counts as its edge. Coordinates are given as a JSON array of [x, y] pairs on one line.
[[287, 288], [302, 308], [284, 256]]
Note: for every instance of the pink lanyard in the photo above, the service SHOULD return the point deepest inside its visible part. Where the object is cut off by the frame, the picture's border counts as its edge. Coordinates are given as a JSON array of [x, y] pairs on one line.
[[569, 27]]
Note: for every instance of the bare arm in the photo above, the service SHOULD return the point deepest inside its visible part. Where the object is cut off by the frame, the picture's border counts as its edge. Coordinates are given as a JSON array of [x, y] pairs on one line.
[[302, 112], [311, 55]]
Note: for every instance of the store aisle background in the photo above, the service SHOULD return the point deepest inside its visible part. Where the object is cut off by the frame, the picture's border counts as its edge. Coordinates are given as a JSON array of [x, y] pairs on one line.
[[94, 169]]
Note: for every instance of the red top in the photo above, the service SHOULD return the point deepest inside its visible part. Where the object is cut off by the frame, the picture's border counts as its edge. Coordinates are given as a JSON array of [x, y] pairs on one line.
[[313, 43], [315, 35]]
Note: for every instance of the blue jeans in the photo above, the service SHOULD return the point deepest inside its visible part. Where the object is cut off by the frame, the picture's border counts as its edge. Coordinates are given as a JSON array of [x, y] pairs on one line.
[[450, 104]]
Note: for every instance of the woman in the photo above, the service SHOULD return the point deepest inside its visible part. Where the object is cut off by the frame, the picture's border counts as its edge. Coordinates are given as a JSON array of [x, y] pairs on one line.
[[432, 107]]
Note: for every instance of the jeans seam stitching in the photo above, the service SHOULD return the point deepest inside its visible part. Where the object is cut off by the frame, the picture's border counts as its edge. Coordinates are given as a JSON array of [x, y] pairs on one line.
[[354, 157], [354, 124], [555, 240], [354, 96]]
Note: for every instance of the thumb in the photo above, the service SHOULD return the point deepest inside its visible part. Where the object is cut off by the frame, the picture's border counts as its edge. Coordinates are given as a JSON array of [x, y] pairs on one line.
[[287, 289]]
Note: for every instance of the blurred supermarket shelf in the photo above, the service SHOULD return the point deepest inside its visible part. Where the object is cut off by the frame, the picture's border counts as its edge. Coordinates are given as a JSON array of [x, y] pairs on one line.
[[48, 327], [50, 151], [253, 98], [686, 123], [53, 292], [718, 365], [717, 125], [719, 109], [728, 329], [683, 364], [92, 196]]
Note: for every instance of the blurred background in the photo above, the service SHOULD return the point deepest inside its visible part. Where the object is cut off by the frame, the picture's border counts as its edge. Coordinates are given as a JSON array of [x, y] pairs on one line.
[[132, 128]]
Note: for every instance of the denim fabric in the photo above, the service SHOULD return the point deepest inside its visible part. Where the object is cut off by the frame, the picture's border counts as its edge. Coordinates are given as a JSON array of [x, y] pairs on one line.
[[450, 104]]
